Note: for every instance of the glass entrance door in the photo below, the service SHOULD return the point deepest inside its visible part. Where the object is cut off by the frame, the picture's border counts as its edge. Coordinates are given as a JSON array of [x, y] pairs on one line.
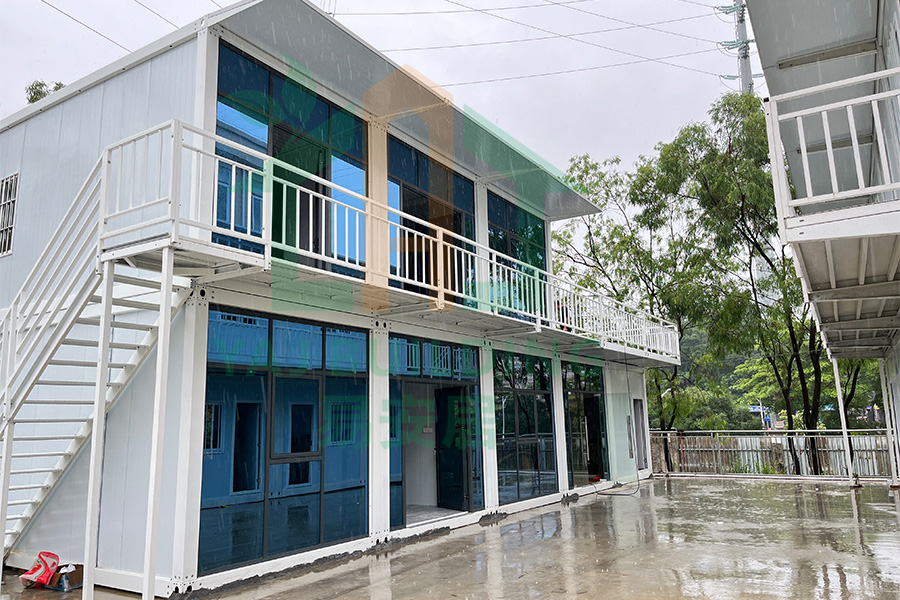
[[451, 445]]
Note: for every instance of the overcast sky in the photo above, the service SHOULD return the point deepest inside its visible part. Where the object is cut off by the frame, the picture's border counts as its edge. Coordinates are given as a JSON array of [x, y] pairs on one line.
[[619, 110]]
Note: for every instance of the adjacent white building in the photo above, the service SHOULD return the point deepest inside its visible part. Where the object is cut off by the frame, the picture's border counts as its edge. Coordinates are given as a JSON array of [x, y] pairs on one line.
[[833, 72], [269, 297]]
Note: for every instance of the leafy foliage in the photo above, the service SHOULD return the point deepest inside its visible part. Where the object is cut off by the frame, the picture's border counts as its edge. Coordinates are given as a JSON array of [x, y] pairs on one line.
[[37, 90], [691, 235]]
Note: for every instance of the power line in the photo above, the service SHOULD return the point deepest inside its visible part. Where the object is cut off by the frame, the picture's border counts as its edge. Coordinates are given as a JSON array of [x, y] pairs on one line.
[[580, 41], [540, 38], [452, 12], [581, 70], [617, 20], [156, 13], [86, 26]]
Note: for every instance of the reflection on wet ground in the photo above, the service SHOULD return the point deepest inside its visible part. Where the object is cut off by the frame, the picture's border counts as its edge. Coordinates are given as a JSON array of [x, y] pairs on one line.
[[671, 538]]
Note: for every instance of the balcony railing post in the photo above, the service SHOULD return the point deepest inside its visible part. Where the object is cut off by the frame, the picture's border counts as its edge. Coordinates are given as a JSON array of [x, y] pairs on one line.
[[441, 248], [175, 181], [268, 186], [779, 180]]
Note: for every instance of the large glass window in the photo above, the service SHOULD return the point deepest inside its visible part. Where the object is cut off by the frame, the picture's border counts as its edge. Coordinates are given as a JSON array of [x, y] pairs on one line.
[[263, 110], [515, 232], [585, 418], [526, 457], [285, 440]]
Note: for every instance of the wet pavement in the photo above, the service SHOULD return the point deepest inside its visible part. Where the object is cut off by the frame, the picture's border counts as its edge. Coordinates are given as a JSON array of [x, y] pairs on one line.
[[671, 538]]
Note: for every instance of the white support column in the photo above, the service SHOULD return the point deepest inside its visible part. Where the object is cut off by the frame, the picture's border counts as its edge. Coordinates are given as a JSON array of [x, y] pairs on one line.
[[489, 429], [559, 424], [846, 436], [160, 391], [190, 441], [379, 433], [482, 272], [888, 405], [205, 95], [378, 238], [98, 436]]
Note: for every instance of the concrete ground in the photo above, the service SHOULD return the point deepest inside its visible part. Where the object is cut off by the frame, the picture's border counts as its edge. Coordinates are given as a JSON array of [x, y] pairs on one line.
[[672, 538]]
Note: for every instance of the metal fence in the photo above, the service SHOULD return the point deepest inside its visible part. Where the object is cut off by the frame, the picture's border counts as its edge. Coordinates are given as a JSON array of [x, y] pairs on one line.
[[805, 453]]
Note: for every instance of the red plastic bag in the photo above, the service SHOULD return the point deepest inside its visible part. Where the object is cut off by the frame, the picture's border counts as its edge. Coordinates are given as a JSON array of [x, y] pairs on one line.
[[43, 569]]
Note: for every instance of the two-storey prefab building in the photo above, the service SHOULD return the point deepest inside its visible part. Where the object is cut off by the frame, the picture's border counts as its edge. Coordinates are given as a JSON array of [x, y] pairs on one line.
[[833, 71], [271, 298]]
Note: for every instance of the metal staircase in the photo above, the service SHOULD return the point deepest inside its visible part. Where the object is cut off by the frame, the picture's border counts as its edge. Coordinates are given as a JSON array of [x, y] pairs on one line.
[[52, 355]]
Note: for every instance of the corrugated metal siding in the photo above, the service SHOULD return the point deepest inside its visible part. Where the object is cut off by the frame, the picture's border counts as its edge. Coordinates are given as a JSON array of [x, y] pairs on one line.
[[54, 150]]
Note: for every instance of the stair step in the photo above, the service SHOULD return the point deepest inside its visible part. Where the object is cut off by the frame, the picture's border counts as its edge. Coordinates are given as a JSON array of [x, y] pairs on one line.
[[20, 502], [45, 438], [33, 471], [84, 363], [40, 454], [70, 383], [136, 282], [95, 321], [127, 303], [54, 420], [61, 402], [94, 344], [29, 486]]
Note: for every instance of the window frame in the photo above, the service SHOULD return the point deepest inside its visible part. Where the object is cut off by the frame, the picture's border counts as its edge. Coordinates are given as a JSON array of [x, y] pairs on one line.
[[9, 197]]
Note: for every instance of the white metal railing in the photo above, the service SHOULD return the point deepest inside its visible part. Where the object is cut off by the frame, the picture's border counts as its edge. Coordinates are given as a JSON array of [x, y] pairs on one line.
[[63, 280], [839, 161], [775, 452], [196, 187]]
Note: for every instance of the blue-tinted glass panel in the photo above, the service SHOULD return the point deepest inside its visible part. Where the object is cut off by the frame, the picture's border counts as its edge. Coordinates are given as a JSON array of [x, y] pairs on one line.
[[243, 127], [396, 440], [463, 194], [296, 345], [300, 109], [349, 223], [238, 339], [348, 134], [231, 501], [402, 162], [243, 80], [296, 423], [345, 350], [405, 357], [294, 506], [346, 458], [496, 211], [438, 178]]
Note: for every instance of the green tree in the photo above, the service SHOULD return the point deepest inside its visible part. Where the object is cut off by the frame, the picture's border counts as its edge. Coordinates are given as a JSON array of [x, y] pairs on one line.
[[721, 169], [38, 89]]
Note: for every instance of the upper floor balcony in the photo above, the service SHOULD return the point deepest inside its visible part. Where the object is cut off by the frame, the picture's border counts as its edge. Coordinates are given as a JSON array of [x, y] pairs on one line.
[[233, 213], [835, 155]]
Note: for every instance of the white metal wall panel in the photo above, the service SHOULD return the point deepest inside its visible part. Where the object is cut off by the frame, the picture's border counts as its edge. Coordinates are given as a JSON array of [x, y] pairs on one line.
[[59, 526], [53, 151]]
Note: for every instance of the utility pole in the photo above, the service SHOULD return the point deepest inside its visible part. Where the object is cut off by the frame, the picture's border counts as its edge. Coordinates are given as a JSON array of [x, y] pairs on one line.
[[740, 32]]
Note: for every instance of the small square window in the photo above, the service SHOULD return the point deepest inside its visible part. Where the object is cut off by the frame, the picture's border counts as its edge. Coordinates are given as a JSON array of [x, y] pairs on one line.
[[9, 189]]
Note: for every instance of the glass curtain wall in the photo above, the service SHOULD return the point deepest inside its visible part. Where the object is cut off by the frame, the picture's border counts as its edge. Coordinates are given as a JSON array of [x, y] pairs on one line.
[[435, 427], [526, 458], [285, 458], [586, 438], [273, 114]]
